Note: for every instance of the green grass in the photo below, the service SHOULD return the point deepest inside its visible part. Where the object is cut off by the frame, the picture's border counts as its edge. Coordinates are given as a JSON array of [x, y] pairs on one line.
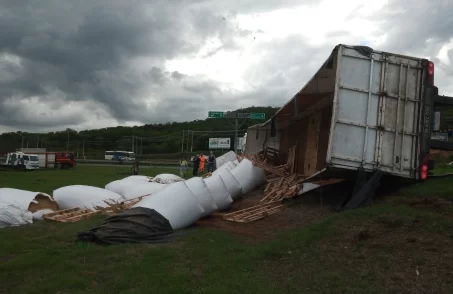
[[49, 180], [371, 250]]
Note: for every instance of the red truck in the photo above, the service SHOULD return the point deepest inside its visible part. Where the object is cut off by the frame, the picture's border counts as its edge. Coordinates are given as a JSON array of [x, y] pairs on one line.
[[56, 159], [64, 160]]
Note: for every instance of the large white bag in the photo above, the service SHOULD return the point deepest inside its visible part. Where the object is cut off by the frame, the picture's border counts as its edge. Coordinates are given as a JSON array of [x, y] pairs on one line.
[[203, 195], [219, 162], [219, 192], [120, 186], [232, 185], [229, 156], [167, 179], [85, 197], [176, 203], [142, 189], [133, 189], [249, 176], [14, 215], [137, 178]]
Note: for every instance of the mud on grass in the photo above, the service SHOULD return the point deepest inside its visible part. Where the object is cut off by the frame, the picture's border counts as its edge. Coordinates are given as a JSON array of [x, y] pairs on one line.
[[296, 215]]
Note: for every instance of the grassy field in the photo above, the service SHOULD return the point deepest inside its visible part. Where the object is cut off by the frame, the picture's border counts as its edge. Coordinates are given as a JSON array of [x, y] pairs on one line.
[[401, 244]]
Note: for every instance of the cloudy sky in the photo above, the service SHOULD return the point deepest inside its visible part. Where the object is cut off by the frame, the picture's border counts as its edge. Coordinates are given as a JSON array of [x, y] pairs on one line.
[[98, 63]]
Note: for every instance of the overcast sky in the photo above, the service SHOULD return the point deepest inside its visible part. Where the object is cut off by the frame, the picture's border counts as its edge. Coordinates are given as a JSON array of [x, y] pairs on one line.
[[95, 63]]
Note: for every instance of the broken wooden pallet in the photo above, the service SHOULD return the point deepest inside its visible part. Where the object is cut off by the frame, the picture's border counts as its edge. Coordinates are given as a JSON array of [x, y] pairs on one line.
[[253, 213], [70, 215], [282, 188]]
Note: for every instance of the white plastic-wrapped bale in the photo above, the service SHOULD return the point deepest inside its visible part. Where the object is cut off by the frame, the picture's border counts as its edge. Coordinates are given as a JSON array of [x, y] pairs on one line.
[[85, 197], [219, 162], [229, 156], [27, 200], [137, 178], [219, 192], [176, 203], [119, 186], [142, 189], [133, 189], [232, 185], [166, 179], [14, 215], [203, 195], [39, 214], [249, 176]]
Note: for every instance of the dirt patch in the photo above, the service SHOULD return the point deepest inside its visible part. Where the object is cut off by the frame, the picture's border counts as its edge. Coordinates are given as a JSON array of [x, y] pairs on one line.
[[300, 214], [433, 204]]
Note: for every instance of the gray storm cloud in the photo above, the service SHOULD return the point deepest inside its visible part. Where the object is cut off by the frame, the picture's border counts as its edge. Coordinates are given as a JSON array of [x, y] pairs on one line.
[[67, 64]]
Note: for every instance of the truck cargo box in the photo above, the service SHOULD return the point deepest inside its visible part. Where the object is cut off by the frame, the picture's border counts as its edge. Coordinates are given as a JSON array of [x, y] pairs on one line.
[[363, 108]]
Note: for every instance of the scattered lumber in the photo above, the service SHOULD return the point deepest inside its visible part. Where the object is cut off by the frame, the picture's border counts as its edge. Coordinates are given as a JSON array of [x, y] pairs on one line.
[[77, 214], [70, 215], [253, 213]]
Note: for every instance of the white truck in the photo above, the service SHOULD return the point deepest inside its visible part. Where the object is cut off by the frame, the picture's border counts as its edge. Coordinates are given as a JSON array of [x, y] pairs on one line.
[[363, 110], [22, 161]]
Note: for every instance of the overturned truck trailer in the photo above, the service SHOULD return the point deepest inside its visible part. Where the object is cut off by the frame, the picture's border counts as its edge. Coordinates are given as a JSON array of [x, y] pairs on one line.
[[363, 110]]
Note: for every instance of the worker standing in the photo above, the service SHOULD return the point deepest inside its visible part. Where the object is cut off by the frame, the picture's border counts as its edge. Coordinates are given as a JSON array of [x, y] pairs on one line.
[[183, 167], [136, 168], [196, 165], [211, 161], [202, 161]]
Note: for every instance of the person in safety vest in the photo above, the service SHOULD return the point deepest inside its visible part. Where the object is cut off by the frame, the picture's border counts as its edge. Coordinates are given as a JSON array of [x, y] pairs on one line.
[[202, 161], [183, 167]]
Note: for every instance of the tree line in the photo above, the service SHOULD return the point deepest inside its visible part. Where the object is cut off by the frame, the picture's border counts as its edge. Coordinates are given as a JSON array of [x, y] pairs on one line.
[[147, 139]]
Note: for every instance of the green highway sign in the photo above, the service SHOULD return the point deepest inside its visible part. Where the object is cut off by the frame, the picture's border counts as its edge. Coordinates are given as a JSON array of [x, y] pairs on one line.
[[221, 114], [215, 114], [255, 115]]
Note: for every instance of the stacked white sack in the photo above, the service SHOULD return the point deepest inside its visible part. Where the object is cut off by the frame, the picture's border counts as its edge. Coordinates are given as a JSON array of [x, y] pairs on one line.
[[85, 197], [176, 203], [133, 189], [219, 192], [14, 205], [249, 176], [198, 187], [232, 185], [166, 179], [12, 215], [137, 178], [229, 156], [228, 165]]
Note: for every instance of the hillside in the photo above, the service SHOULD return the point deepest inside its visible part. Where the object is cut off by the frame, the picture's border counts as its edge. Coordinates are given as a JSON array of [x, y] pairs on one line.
[[148, 139]]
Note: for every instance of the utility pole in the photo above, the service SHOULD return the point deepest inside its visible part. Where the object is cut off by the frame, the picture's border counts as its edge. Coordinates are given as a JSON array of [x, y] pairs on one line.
[[67, 145], [188, 132], [22, 145], [236, 122], [141, 146], [37, 142], [83, 148], [132, 137], [191, 143], [182, 142]]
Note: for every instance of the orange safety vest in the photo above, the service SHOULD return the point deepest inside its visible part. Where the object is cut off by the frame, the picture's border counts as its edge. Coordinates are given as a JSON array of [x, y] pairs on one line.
[[202, 160]]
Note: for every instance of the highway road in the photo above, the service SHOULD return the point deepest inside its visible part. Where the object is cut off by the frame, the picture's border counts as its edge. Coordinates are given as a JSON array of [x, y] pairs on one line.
[[129, 165]]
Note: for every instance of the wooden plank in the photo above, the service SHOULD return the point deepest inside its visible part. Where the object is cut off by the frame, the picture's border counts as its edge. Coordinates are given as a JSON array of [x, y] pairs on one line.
[[58, 212], [81, 216]]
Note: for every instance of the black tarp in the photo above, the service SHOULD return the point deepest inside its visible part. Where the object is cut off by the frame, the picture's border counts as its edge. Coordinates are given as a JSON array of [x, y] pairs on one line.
[[136, 225]]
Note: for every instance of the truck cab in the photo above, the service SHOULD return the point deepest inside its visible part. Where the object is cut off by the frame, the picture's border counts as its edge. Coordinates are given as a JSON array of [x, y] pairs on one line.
[[24, 161], [64, 160]]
